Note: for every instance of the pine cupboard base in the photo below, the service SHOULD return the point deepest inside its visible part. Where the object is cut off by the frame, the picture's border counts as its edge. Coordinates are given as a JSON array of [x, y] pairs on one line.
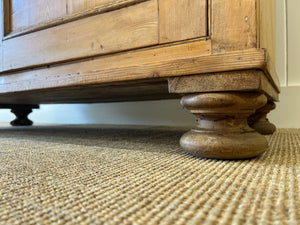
[[217, 56], [224, 113]]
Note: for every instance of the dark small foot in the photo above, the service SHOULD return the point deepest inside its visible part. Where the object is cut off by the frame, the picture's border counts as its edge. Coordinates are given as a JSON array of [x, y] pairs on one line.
[[22, 117], [21, 111], [259, 121]]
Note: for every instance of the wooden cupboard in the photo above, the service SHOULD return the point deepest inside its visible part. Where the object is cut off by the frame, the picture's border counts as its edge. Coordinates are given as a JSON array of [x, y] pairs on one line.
[[219, 56]]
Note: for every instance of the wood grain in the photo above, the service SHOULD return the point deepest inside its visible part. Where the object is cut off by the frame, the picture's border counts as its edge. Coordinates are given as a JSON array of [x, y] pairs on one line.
[[269, 88], [185, 59], [245, 80], [88, 5], [6, 9], [182, 19], [127, 28], [222, 131], [93, 70], [1, 34], [27, 13], [40, 14], [233, 25], [267, 35]]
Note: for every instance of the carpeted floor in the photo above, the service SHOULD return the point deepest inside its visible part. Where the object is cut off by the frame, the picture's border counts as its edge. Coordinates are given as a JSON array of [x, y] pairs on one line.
[[93, 175]]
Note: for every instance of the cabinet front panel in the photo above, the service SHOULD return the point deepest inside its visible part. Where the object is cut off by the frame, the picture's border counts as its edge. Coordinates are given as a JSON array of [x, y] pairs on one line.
[[126, 28], [29, 15], [182, 19], [234, 25]]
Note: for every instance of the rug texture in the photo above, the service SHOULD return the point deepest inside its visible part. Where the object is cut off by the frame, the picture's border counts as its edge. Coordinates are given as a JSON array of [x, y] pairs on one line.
[[101, 175]]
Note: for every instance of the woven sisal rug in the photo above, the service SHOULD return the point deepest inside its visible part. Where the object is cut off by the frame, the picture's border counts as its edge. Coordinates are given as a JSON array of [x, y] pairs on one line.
[[94, 175]]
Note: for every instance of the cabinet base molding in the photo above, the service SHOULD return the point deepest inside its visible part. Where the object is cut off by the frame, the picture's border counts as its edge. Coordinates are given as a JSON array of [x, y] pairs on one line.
[[222, 131], [260, 122]]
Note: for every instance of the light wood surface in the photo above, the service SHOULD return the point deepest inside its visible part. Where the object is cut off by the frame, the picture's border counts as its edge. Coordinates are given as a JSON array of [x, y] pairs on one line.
[[269, 88], [184, 59], [233, 25], [267, 35], [222, 130], [1, 35], [127, 28], [83, 5], [32, 15], [182, 19], [244, 80], [27, 13], [139, 64]]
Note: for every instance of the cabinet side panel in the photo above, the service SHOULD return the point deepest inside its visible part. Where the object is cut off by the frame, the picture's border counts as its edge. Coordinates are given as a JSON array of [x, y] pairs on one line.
[[127, 28], [182, 19], [267, 35], [233, 25], [1, 33]]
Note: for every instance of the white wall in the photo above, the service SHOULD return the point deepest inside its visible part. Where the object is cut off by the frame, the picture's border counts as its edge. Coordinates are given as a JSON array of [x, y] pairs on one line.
[[159, 113], [293, 45], [169, 112], [287, 113]]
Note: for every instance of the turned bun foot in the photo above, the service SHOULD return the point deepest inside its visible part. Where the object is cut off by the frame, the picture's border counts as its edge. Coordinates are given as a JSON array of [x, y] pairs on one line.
[[222, 131], [21, 117], [259, 121], [264, 127]]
